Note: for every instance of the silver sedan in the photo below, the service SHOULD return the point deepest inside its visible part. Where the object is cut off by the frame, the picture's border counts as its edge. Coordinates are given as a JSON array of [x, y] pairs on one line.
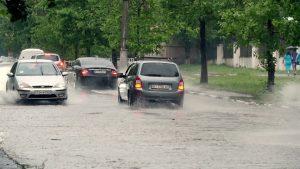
[[37, 79]]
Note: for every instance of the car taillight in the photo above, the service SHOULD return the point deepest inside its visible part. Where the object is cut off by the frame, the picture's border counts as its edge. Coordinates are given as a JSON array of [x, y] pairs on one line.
[[114, 73], [181, 85], [138, 85], [84, 72], [61, 64]]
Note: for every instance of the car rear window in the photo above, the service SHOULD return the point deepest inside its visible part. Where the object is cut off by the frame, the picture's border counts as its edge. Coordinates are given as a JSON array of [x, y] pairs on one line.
[[159, 70], [36, 69], [96, 62], [48, 57]]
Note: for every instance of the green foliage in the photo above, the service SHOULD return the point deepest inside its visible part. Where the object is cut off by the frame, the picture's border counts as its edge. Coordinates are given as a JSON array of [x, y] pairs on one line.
[[247, 22], [241, 80], [187, 13], [89, 27], [148, 26]]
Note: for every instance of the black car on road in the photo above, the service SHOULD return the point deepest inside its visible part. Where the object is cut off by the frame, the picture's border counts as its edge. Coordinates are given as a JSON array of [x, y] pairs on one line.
[[151, 81], [94, 71]]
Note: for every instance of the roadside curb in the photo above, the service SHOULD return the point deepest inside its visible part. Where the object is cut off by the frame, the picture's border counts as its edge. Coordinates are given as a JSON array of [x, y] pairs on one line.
[[237, 98]]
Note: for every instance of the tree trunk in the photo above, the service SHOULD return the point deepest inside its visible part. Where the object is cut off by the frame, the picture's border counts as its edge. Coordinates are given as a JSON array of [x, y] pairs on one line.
[[88, 35], [204, 75], [187, 51], [114, 58], [10, 52], [270, 59], [124, 31], [76, 46], [271, 71], [88, 51], [138, 30]]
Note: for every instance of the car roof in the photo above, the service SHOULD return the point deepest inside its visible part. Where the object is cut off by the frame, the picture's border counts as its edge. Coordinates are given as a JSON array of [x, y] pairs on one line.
[[92, 58], [154, 61], [35, 60], [32, 49], [48, 53], [93, 61]]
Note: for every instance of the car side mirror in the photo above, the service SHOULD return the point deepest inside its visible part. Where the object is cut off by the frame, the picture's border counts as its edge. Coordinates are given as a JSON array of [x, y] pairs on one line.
[[64, 73], [10, 74], [121, 75]]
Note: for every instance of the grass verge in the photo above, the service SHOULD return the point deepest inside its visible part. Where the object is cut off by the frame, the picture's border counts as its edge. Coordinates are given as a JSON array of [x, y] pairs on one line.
[[240, 80]]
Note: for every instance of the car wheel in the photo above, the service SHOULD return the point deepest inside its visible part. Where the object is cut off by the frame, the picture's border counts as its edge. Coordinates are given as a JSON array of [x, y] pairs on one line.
[[6, 88], [179, 103], [131, 99], [61, 101], [120, 100], [113, 85], [77, 83]]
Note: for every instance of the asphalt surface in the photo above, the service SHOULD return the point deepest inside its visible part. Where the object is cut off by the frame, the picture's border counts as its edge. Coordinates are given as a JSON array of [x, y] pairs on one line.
[[91, 130]]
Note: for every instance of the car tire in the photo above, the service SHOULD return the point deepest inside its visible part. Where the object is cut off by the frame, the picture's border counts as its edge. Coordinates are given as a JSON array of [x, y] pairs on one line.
[[179, 102], [113, 85], [131, 99], [120, 100], [77, 83], [6, 88], [61, 101]]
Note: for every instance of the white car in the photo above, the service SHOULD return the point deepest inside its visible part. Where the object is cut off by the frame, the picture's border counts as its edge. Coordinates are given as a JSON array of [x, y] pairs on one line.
[[37, 79], [28, 53], [53, 57]]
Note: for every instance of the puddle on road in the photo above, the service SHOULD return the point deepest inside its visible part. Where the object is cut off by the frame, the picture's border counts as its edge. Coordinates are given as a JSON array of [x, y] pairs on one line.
[[246, 99], [290, 95]]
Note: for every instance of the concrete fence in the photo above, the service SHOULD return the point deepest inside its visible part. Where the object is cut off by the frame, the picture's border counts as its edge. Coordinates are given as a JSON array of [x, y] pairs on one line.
[[248, 62]]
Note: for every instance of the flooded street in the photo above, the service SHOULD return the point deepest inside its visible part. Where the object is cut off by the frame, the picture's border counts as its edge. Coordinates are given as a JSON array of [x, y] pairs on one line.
[[92, 130]]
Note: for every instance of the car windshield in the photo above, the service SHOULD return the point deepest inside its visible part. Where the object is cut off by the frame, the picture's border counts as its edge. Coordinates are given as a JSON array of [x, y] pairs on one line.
[[159, 70], [48, 57], [96, 62], [36, 69]]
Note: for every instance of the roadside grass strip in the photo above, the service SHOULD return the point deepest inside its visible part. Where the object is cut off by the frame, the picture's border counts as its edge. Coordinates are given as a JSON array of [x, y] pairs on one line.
[[240, 80]]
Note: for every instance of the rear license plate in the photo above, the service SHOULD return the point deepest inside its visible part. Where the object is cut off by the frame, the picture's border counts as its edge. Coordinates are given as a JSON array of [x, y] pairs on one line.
[[42, 92], [160, 87], [99, 71]]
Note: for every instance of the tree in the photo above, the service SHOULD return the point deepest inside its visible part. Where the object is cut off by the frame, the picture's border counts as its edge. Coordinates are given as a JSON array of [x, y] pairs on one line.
[[148, 27], [198, 16], [70, 28], [17, 9], [262, 23]]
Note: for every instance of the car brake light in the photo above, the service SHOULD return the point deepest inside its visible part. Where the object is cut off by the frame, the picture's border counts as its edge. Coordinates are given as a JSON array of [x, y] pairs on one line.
[[84, 72], [114, 73], [138, 83], [61, 64], [181, 85]]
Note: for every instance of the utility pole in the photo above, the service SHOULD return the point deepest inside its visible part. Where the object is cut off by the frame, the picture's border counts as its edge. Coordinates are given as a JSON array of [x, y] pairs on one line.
[[124, 32]]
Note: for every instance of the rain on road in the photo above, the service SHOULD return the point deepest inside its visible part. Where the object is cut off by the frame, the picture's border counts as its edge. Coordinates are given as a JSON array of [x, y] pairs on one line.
[[93, 131]]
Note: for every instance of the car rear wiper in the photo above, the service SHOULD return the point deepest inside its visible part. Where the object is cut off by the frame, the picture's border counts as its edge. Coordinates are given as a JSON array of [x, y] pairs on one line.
[[156, 75]]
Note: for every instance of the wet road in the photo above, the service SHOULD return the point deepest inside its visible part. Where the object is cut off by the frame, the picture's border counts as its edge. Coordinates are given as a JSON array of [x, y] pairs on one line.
[[93, 131]]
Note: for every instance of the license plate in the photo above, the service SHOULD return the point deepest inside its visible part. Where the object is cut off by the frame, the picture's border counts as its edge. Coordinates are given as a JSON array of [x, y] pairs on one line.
[[99, 71], [160, 87], [42, 92]]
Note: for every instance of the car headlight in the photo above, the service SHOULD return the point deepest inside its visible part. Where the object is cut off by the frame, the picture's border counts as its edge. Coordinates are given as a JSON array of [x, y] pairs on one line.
[[60, 85], [23, 85]]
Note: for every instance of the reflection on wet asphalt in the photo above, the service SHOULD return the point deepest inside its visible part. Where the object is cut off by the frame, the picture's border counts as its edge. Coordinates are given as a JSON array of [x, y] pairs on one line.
[[91, 130]]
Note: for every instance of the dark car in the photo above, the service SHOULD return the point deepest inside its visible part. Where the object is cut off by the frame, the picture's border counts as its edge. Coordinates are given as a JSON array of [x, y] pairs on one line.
[[151, 81], [93, 71]]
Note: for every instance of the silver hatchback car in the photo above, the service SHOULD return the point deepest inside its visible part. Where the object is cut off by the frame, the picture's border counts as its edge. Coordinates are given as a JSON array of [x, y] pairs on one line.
[[151, 81], [37, 79]]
